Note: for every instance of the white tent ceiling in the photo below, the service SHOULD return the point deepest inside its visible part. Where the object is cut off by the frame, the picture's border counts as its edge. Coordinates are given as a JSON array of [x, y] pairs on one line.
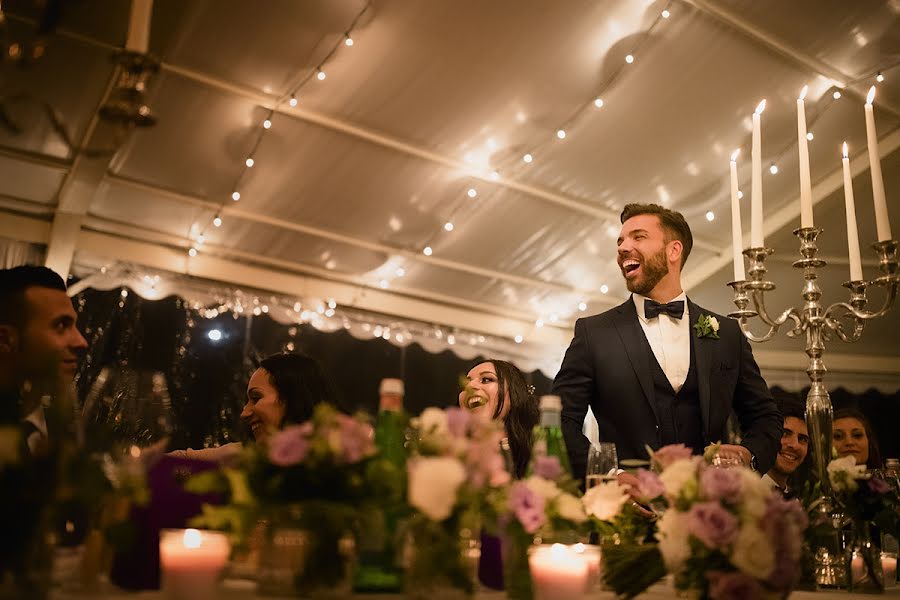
[[356, 180]]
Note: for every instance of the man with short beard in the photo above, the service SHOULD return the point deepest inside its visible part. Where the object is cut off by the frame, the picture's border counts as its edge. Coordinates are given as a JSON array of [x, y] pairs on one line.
[[793, 452], [650, 375]]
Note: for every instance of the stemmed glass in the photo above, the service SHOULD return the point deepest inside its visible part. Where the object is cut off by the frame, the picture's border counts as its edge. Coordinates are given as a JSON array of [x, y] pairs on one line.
[[602, 464]]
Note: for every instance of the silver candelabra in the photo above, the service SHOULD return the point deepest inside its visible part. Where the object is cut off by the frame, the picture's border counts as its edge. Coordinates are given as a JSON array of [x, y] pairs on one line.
[[845, 320]]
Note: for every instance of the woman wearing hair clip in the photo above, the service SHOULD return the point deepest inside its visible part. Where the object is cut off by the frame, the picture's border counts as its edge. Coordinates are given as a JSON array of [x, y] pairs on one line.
[[496, 389]]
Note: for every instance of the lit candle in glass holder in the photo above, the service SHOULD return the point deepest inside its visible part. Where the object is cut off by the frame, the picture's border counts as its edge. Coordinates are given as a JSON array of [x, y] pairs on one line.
[[558, 572], [191, 562], [889, 568]]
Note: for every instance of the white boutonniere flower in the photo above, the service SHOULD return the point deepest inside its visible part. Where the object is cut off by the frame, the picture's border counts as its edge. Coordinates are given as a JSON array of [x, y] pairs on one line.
[[707, 326]]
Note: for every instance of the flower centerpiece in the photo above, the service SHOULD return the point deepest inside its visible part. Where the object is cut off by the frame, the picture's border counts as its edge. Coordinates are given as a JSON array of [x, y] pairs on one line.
[[723, 534], [315, 477], [455, 467], [545, 507], [864, 498]]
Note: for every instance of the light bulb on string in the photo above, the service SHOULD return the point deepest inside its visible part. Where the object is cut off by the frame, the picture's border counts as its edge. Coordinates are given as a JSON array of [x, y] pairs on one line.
[[192, 252], [740, 195], [582, 306], [810, 136], [836, 95], [519, 339], [528, 158], [773, 169], [710, 216], [494, 176], [267, 124], [201, 239], [249, 162], [666, 14], [561, 134], [604, 289], [320, 75], [293, 101], [348, 41], [879, 78], [235, 196], [427, 251], [448, 226], [598, 102], [472, 192], [217, 221], [629, 58]]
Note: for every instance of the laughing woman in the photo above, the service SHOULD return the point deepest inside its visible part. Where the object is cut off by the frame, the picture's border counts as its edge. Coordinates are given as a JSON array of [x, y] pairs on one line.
[[496, 389]]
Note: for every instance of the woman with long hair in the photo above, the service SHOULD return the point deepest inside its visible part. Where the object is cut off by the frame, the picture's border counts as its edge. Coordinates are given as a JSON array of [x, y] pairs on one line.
[[496, 389], [852, 434]]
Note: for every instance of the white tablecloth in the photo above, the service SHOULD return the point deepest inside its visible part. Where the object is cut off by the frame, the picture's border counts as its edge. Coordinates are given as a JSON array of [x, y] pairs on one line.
[[245, 590]]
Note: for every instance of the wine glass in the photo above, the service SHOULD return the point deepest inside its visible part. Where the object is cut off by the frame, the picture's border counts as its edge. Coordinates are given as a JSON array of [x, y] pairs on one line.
[[602, 464]]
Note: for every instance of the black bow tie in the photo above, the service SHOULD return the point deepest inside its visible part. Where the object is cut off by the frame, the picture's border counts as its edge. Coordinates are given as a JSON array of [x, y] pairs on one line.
[[673, 309]]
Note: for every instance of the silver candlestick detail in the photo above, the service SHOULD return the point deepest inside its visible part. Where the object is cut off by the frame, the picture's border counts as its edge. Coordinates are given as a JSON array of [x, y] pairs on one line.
[[845, 320]]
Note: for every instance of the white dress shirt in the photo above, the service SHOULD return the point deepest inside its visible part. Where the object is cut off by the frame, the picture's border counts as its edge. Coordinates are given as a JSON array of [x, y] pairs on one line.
[[39, 436], [670, 340]]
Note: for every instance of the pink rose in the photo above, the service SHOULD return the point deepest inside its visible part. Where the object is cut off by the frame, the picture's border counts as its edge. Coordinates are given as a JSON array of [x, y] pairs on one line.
[[710, 523], [289, 446], [527, 506], [649, 485], [666, 455], [721, 484]]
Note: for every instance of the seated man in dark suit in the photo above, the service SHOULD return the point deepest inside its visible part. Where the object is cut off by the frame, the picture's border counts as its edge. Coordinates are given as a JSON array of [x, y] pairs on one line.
[[658, 369]]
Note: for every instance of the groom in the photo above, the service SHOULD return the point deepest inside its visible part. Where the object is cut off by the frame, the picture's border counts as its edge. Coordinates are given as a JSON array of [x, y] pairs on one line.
[[658, 369]]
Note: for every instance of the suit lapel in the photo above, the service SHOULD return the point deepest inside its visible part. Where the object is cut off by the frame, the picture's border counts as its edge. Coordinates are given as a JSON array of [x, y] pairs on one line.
[[703, 356], [629, 328]]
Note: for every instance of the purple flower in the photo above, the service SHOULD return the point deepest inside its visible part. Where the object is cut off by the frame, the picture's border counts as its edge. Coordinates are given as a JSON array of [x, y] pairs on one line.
[[458, 421], [527, 506], [879, 486], [733, 586], [356, 439], [710, 523], [721, 484], [485, 465], [649, 485], [547, 467], [289, 446], [666, 455]]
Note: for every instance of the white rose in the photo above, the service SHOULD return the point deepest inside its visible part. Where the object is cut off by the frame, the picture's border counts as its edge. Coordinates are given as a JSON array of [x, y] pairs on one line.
[[753, 553], [570, 508], [672, 533], [680, 478], [604, 501], [714, 323], [544, 488], [433, 484], [843, 473], [433, 421]]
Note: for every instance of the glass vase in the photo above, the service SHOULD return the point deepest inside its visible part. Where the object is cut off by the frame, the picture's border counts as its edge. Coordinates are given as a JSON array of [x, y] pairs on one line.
[[863, 562], [442, 560]]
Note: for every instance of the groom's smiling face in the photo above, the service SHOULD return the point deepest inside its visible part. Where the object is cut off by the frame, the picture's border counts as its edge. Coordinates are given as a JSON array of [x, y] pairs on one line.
[[642, 253]]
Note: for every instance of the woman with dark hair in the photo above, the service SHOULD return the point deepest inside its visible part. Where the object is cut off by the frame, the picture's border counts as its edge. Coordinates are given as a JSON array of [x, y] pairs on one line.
[[285, 389], [852, 434], [496, 389]]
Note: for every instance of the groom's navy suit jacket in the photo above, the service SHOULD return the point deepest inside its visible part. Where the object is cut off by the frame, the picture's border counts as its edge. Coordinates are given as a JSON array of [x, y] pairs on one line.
[[607, 368]]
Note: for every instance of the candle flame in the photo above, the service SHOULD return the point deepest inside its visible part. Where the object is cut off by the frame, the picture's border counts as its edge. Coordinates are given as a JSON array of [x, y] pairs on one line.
[[735, 154], [871, 97], [846, 153], [760, 107], [803, 92], [192, 538]]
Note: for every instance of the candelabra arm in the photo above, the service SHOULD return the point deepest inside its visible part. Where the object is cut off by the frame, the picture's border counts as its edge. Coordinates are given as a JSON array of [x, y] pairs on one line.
[[759, 304]]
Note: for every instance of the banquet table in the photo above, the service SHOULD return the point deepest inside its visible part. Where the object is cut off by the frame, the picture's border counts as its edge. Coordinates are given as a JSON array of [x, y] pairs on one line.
[[246, 590]]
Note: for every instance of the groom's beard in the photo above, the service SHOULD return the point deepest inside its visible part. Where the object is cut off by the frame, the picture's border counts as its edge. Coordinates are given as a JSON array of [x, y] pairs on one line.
[[653, 269]]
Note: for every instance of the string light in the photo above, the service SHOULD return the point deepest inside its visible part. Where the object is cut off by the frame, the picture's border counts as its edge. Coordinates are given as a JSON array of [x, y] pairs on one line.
[[629, 58], [348, 41], [217, 221], [249, 162], [810, 136], [598, 102], [519, 339], [740, 195], [836, 95], [192, 252], [400, 272], [582, 306], [495, 176], [528, 158], [448, 226], [320, 75], [331, 303], [473, 192], [710, 216], [267, 124], [539, 323], [427, 250], [773, 169], [879, 78], [293, 101], [604, 289], [235, 196], [561, 134], [200, 239], [666, 14]]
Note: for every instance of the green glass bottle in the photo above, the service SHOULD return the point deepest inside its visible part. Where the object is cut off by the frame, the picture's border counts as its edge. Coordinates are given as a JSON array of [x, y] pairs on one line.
[[548, 437], [378, 567]]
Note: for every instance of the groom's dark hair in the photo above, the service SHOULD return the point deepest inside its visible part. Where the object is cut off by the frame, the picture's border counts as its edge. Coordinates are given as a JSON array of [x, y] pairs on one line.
[[673, 224]]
